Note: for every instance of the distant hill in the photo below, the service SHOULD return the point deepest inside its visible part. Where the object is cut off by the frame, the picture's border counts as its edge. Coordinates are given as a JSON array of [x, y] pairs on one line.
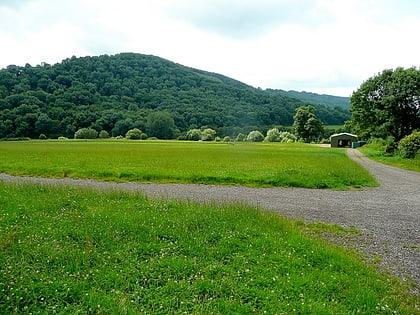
[[120, 92], [313, 98]]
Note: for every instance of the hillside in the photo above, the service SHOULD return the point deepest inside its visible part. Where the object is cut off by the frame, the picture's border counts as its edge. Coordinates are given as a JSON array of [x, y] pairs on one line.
[[313, 98], [117, 93]]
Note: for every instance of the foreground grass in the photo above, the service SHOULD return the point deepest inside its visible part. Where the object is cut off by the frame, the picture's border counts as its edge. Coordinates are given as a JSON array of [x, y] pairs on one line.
[[250, 164], [397, 161], [68, 250]]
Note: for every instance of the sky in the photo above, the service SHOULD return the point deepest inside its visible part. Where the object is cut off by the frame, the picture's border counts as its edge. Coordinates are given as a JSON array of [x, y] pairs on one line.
[[321, 46]]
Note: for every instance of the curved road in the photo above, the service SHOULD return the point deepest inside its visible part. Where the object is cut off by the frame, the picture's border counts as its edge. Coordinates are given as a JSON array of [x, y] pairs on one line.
[[388, 216]]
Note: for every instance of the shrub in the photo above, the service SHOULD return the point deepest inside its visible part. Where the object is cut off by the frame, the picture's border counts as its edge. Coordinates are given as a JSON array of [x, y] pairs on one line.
[[287, 137], [42, 137], [86, 133], [227, 139], [194, 134], [273, 135], [104, 134], [63, 138], [240, 137], [208, 134], [134, 134], [255, 136], [409, 146]]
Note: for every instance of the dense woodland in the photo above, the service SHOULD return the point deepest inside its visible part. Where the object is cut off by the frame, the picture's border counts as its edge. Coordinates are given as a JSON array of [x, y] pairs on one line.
[[125, 91]]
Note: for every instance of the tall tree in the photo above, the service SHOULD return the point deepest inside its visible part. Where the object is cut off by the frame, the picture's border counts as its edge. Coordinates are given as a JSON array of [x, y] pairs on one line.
[[306, 125], [161, 125], [387, 104]]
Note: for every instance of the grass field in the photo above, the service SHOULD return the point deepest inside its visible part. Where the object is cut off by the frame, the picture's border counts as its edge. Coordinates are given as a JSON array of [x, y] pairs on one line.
[[77, 251], [397, 161], [250, 164]]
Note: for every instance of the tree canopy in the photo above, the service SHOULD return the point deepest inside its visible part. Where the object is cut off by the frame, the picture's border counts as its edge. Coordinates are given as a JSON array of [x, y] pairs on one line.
[[121, 92], [387, 104], [306, 125]]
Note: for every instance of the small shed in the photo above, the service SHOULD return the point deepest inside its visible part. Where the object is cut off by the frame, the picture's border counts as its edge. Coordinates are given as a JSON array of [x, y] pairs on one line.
[[342, 140]]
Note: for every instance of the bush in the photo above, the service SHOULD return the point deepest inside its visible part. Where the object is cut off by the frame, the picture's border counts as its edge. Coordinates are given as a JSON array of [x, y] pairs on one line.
[[42, 137], [63, 138], [86, 133], [208, 134], [227, 139], [386, 146], [134, 134], [287, 137], [255, 136], [409, 146], [273, 135], [240, 137], [194, 134], [104, 134]]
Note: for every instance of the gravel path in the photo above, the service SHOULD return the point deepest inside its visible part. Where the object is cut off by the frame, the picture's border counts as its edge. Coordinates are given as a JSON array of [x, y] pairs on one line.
[[388, 216]]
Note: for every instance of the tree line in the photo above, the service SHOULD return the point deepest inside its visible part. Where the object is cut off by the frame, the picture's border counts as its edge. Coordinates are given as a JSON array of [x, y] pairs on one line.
[[117, 93]]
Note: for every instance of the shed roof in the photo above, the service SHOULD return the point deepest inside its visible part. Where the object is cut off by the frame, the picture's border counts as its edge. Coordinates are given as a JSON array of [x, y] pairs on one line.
[[345, 134]]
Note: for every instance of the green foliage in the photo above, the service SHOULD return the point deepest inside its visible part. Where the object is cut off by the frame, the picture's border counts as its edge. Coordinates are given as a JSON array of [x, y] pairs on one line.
[[135, 134], [240, 137], [103, 134], [409, 146], [273, 135], [42, 137], [161, 125], [117, 93], [330, 101], [255, 136], [86, 133], [80, 251], [208, 134], [227, 139], [377, 154], [306, 125], [249, 164], [387, 105], [194, 134], [204, 134], [384, 146]]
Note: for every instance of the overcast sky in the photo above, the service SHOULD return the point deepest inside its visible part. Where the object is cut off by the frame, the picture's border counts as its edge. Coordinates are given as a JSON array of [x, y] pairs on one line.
[[323, 46]]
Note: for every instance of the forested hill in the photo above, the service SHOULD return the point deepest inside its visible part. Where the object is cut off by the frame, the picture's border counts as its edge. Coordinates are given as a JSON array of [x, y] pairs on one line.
[[313, 98], [117, 93]]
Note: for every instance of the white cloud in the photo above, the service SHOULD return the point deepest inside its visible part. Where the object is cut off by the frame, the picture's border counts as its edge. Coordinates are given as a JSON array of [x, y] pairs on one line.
[[323, 45]]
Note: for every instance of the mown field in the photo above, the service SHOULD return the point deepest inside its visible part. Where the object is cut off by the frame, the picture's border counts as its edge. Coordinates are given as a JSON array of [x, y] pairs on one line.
[[81, 251], [250, 164]]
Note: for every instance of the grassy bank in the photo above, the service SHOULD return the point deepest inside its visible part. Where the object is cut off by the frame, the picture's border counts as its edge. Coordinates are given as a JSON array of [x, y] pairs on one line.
[[377, 154], [250, 164], [68, 250]]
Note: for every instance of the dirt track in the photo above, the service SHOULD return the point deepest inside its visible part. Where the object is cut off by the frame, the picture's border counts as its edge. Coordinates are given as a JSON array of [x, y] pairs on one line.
[[388, 216]]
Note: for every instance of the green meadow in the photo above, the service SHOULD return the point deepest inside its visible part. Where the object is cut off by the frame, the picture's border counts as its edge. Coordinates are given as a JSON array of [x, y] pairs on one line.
[[81, 251], [249, 164]]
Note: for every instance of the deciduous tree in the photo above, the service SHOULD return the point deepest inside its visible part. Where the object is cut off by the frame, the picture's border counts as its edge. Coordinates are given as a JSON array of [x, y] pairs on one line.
[[306, 125], [387, 104], [161, 125]]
